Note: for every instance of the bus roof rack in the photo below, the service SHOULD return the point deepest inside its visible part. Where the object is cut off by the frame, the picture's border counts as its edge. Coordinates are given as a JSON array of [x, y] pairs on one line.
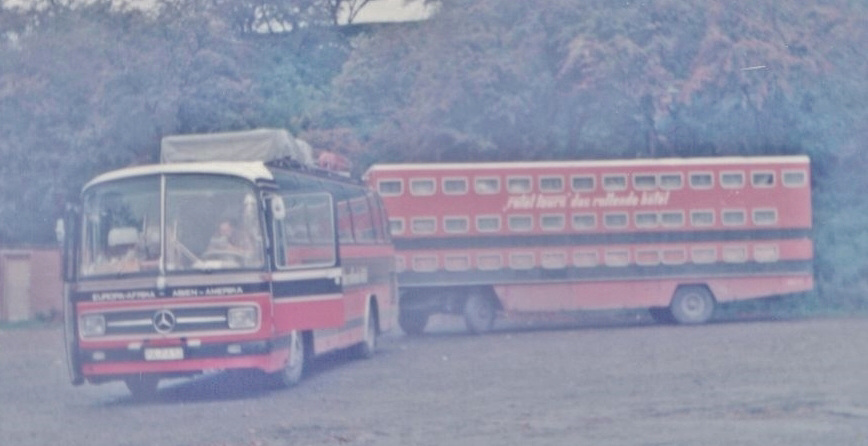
[[250, 145]]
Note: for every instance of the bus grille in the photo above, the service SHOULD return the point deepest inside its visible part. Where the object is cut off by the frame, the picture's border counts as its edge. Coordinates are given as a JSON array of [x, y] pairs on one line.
[[181, 320]]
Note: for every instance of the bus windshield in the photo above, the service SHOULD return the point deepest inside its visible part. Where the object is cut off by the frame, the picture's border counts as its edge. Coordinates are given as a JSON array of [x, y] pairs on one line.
[[170, 223]]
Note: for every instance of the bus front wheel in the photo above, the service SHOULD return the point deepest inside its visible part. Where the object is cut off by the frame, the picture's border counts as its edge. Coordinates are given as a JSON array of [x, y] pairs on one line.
[[368, 346], [142, 387], [292, 372], [692, 305]]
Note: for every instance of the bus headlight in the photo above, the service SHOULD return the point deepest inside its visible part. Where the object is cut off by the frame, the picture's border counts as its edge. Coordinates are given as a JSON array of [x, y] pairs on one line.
[[92, 325], [242, 317]]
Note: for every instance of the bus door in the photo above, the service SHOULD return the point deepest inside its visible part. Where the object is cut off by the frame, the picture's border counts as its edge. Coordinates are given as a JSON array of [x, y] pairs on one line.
[[67, 230], [306, 282]]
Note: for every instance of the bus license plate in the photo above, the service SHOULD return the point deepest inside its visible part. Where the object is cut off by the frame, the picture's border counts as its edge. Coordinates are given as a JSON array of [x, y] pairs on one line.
[[164, 354]]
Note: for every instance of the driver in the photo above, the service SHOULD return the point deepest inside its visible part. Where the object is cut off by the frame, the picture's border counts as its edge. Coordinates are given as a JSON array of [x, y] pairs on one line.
[[229, 242]]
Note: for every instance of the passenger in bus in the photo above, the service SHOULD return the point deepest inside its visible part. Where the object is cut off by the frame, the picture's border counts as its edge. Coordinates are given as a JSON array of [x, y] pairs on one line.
[[230, 245], [121, 251]]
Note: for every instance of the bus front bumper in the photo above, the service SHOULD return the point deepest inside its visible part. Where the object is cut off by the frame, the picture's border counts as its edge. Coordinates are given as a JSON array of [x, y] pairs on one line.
[[102, 364]]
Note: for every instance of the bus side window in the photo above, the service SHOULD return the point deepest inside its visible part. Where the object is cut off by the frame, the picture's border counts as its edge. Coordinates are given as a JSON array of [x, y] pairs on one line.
[[345, 222], [306, 235], [363, 223], [378, 215], [280, 244]]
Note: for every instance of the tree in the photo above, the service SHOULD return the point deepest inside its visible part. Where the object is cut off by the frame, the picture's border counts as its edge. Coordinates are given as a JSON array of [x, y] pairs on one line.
[[92, 87], [505, 80]]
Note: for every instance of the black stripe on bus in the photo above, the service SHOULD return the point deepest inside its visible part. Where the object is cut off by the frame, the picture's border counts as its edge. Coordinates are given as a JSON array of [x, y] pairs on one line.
[[305, 287], [530, 240], [599, 273]]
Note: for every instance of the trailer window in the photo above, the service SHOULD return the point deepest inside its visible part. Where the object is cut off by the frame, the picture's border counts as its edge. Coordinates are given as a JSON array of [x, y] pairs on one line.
[[551, 184], [518, 185], [702, 217], [733, 217], [734, 254], [582, 183], [762, 179], [552, 222], [644, 182], [584, 222], [671, 181], [701, 180], [489, 262], [455, 186], [423, 225], [486, 185], [703, 255], [586, 259], [488, 223], [645, 219], [672, 218], [765, 217], [614, 182], [732, 180], [396, 226], [456, 224], [389, 188], [615, 220], [520, 223], [794, 178], [423, 186]]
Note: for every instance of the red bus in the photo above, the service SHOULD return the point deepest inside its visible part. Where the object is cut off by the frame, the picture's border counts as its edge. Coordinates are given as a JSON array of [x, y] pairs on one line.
[[186, 266], [676, 236]]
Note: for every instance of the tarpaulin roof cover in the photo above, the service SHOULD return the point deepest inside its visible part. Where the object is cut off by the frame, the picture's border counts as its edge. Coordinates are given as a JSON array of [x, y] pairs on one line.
[[249, 145]]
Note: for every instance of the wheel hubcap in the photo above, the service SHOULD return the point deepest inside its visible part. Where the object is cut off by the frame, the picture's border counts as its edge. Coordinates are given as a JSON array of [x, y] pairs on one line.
[[693, 304]]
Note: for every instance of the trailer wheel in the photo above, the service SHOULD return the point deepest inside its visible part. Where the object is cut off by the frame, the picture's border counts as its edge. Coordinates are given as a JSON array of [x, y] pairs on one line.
[[142, 387], [413, 322], [692, 305], [292, 372], [479, 313]]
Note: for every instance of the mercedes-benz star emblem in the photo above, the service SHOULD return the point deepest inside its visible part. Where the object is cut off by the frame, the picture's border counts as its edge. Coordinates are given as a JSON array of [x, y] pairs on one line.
[[164, 321]]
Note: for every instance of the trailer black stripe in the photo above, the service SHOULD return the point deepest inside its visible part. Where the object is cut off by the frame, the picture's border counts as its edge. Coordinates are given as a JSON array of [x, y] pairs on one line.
[[631, 272], [573, 239]]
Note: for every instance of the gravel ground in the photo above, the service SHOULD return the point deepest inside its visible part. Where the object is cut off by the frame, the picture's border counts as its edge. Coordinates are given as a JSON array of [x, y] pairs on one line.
[[596, 382]]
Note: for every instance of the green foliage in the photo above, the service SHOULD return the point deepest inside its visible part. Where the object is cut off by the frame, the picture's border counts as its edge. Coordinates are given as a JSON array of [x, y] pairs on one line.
[[90, 86], [87, 86]]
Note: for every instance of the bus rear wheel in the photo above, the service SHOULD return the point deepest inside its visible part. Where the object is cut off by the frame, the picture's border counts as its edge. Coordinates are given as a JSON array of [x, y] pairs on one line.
[[479, 313], [692, 305], [142, 387]]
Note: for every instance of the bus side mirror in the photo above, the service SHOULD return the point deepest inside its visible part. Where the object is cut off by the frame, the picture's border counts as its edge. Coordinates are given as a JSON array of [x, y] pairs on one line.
[[60, 231], [65, 229], [278, 208]]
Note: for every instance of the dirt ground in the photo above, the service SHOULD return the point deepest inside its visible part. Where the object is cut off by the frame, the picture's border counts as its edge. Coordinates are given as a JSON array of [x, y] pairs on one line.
[[609, 382]]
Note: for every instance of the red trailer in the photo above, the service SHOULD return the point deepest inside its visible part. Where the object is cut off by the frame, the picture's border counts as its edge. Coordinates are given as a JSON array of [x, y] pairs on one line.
[[674, 235]]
